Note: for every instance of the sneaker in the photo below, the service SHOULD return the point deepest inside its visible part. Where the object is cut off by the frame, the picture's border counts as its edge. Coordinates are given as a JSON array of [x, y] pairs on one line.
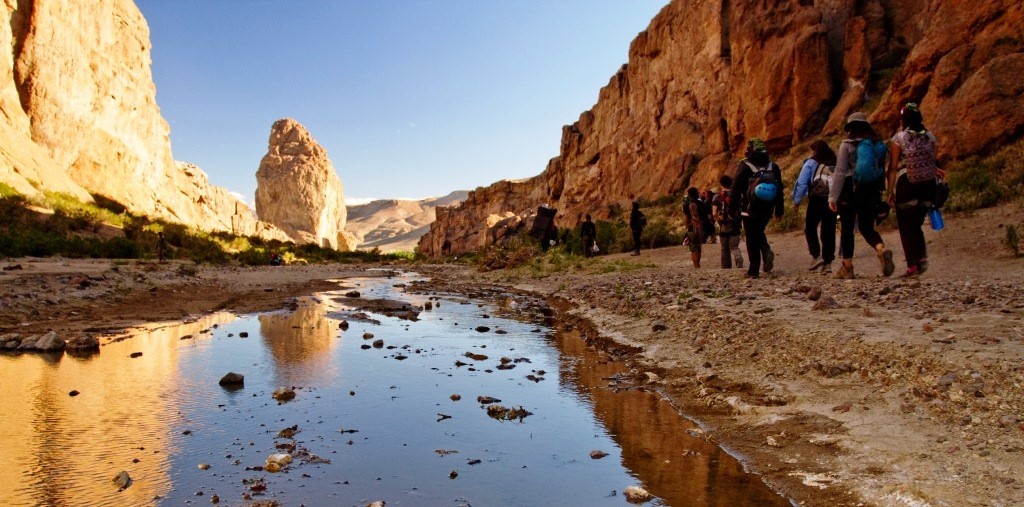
[[826, 268], [912, 272], [635, 253], [769, 261], [922, 266], [816, 263], [751, 275], [739, 263], [886, 259], [845, 273]]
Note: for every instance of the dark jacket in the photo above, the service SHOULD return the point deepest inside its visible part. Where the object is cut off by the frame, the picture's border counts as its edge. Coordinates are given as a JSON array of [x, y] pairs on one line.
[[757, 207], [637, 220], [588, 230]]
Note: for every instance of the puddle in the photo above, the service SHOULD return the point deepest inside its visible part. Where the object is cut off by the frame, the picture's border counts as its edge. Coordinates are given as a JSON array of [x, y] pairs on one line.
[[369, 423]]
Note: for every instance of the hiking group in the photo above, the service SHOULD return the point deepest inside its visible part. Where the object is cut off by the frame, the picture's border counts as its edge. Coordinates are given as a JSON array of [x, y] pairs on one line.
[[855, 186]]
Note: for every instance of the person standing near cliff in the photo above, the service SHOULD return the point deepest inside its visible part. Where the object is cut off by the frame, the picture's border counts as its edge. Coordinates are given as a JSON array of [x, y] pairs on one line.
[[588, 233], [759, 184], [694, 225], [813, 183], [637, 223], [729, 224], [856, 192], [912, 179]]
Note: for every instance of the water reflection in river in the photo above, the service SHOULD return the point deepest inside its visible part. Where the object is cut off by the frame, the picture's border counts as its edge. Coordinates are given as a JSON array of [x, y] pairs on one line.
[[374, 414]]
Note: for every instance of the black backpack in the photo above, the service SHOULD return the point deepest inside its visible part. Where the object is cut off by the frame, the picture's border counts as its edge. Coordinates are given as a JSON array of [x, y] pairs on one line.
[[820, 181]]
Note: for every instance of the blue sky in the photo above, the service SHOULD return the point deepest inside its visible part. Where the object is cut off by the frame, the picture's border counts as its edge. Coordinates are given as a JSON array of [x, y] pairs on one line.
[[411, 98]]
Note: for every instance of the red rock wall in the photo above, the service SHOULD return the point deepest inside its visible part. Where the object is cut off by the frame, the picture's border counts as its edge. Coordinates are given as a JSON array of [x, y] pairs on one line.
[[707, 75]]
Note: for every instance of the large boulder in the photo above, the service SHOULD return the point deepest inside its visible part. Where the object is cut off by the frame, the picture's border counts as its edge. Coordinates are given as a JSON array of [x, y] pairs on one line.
[[298, 190]]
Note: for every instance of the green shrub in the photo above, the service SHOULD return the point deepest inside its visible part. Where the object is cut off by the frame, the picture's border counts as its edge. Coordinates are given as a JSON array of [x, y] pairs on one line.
[[975, 183], [7, 190]]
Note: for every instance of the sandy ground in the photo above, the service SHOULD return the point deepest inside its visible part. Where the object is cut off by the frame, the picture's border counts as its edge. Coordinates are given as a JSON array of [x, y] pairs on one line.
[[892, 392]]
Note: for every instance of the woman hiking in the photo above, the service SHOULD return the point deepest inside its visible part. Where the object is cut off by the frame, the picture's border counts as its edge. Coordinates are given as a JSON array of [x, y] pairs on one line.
[[813, 183], [758, 183], [912, 177], [856, 192], [694, 225]]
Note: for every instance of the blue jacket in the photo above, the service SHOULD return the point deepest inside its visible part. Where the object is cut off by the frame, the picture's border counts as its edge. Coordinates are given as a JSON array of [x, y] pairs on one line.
[[803, 182]]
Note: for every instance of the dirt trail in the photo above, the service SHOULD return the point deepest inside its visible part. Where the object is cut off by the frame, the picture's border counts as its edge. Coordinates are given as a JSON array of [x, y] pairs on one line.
[[902, 392]]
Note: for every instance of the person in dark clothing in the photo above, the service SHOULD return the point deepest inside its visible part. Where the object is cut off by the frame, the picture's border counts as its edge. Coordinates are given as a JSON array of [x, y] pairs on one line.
[[758, 185], [857, 203], [707, 222], [161, 246], [729, 224], [814, 183], [637, 223], [912, 174], [694, 225], [588, 233]]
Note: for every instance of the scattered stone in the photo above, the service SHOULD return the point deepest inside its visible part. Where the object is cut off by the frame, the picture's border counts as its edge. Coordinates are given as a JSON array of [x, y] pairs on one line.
[[636, 494], [377, 344], [377, 503], [343, 325], [204, 466], [445, 452], [365, 346], [947, 379], [766, 309], [73, 393], [455, 397], [486, 400], [276, 462], [122, 480], [428, 306], [243, 334], [482, 329], [659, 326], [507, 414], [352, 294], [288, 432], [1008, 421], [453, 474], [651, 378], [814, 294], [13, 267], [826, 303], [232, 379], [473, 462], [48, 342], [843, 408], [84, 343], [134, 355], [597, 454], [283, 394], [475, 357], [367, 336]]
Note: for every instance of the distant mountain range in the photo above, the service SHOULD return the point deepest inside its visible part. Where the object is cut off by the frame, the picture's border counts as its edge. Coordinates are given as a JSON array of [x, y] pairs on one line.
[[394, 225]]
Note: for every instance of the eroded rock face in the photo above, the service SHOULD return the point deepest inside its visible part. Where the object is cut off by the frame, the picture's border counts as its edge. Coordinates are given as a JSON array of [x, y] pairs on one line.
[[78, 114], [706, 76], [298, 190]]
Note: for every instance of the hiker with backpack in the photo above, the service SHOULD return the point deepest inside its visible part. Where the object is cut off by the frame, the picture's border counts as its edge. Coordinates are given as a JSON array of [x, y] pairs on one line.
[[588, 233], [761, 181], [707, 222], [637, 223], [912, 177], [813, 183], [694, 225], [856, 192], [729, 224]]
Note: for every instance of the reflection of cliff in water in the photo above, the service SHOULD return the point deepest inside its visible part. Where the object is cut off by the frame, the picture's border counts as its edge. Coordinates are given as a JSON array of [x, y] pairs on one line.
[[655, 440], [300, 341], [63, 450]]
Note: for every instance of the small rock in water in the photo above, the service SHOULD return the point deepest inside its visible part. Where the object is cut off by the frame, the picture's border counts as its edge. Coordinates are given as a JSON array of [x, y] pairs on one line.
[[377, 503], [275, 462], [343, 325], [453, 474], [455, 397], [367, 336], [365, 346], [283, 394], [597, 454], [122, 480], [378, 343], [73, 393], [134, 355], [243, 334], [84, 344], [232, 379], [204, 466], [485, 400], [288, 432], [352, 294], [475, 357], [482, 329], [636, 494]]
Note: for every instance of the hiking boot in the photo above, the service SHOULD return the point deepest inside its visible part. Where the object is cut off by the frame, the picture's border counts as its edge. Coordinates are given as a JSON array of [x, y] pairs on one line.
[[912, 272], [845, 273], [886, 259], [751, 275], [739, 263], [635, 253], [922, 266], [769, 261], [826, 268], [816, 263]]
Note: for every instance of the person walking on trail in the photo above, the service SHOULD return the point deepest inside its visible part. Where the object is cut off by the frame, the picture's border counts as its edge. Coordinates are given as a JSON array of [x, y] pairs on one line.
[[588, 232], [813, 184], [707, 223], [637, 223], [856, 192], [759, 185], [912, 182], [694, 225], [729, 224]]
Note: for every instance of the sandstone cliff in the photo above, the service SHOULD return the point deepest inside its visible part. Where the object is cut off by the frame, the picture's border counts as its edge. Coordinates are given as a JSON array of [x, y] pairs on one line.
[[707, 75], [298, 190], [395, 225], [78, 114]]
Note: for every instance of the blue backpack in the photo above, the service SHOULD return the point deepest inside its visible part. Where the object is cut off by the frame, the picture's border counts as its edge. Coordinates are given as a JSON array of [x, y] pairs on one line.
[[869, 161]]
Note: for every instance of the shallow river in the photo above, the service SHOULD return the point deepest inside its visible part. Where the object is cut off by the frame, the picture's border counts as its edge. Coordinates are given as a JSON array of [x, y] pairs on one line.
[[369, 423]]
